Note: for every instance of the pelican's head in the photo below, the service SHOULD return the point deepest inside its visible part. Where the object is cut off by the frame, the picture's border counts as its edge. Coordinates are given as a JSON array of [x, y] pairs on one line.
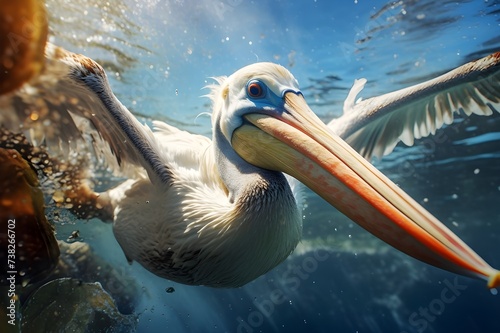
[[263, 116], [256, 88]]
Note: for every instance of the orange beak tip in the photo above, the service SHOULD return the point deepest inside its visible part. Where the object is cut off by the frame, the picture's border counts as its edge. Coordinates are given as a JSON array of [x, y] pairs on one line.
[[494, 280]]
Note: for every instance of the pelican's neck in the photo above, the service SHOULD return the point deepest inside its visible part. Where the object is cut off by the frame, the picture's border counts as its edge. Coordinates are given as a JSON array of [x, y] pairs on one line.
[[244, 180]]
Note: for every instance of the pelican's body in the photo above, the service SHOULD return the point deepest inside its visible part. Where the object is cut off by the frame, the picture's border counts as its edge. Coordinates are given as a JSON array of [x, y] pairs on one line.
[[233, 227], [240, 238], [221, 212]]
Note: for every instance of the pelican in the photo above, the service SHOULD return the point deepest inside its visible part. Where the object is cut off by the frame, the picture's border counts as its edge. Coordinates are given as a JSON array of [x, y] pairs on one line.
[[223, 211]]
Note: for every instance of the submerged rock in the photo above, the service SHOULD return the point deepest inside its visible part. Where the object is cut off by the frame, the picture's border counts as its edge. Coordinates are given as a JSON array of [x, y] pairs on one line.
[[78, 261], [27, 242], [70, 305], [23, 34]]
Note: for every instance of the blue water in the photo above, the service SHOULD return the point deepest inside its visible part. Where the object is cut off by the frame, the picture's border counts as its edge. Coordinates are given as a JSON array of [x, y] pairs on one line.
[[160, 54]]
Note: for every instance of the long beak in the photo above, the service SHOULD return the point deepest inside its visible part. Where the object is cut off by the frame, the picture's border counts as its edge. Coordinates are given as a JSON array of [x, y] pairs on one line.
[[298, 143]]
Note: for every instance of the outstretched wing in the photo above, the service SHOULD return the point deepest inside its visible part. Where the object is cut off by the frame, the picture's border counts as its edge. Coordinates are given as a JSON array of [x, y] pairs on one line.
[[374, 126], [70, 102]]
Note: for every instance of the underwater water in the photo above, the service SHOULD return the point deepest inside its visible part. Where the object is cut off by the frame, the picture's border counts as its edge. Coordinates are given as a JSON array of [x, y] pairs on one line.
[[160, 54]]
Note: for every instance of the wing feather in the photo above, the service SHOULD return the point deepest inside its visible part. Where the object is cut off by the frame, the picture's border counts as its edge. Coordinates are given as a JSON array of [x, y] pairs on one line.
[[72, 101], [374, 126]]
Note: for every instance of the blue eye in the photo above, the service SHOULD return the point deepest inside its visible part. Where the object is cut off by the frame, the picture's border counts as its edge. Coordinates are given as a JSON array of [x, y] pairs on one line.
[[255, 89]]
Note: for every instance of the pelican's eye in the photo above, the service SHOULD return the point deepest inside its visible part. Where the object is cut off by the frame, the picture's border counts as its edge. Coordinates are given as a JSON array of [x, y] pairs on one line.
[[255, 89]]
